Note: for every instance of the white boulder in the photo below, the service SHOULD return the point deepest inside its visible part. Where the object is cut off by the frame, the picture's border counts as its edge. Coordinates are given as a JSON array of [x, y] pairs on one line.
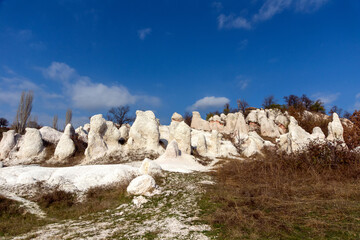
[[151, 168], [181, 132], [50, 135], [142, 185]]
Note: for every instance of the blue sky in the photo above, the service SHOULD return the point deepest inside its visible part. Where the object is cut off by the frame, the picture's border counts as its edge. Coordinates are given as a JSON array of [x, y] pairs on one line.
[[170, 56]]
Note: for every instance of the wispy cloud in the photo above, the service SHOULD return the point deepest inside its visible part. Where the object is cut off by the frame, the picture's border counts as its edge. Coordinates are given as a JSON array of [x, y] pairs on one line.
[[232, 21], [326, 98], [269, 9], [242, 82], [217, 5], [59, 71], [243, 44], [209, 103], [357, 102], [143, 33]]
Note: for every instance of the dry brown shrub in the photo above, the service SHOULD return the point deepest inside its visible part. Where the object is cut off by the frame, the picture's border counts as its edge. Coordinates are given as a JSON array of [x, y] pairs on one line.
[[352, 133], [312, 194], [309, 122]]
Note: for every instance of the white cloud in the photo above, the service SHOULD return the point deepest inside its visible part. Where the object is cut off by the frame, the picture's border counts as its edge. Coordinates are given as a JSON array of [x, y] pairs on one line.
[[269, 9], [142, 33], [326, 98], [209, 102], [59, 71], [89, 95], [93, 96], [232, 21], [309, 5]]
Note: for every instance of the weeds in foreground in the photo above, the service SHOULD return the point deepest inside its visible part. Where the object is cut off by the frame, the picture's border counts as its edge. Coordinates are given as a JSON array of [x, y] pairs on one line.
[[314, 194], [61, 205], [14, 219]]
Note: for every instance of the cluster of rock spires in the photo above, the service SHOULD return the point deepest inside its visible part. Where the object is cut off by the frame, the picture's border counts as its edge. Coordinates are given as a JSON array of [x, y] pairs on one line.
[[221, 136]]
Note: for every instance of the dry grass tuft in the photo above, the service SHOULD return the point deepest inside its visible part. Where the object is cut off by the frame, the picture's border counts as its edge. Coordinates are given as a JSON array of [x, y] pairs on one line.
[[60, 204], [14, 219], [314, 194]]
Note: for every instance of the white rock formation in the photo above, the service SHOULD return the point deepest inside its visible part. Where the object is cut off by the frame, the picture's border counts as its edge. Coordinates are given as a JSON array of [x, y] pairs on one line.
[[66, 147], [201, 145], [181, 132], [296, 139], [50, 135], [254, 144], [82, 134], [142, 185], [7, 143], [235, 123], [87, 127], [336, 130], [112, 136], [175, 161], [31, 144], [144, 133], [172, 150], [151, 168], [317, 134], [124, 131], [177, 117], [73, 179], [96, 144], [268, 127], [198, 123]]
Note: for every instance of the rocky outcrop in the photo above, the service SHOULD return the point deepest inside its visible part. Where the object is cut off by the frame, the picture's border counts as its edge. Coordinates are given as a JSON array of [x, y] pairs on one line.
[[7, 143], [66, 147], [253, 144], [50, 135], [198, 123], [296, 139], [268, 128], [235, 124]]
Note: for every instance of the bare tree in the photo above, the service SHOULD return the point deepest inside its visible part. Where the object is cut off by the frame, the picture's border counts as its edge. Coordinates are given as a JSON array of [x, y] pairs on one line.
[[120, 115], [242, 105], [24, 111], [269, 102], [3, 122], [33, 122], [55, 122], [68, 117]]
